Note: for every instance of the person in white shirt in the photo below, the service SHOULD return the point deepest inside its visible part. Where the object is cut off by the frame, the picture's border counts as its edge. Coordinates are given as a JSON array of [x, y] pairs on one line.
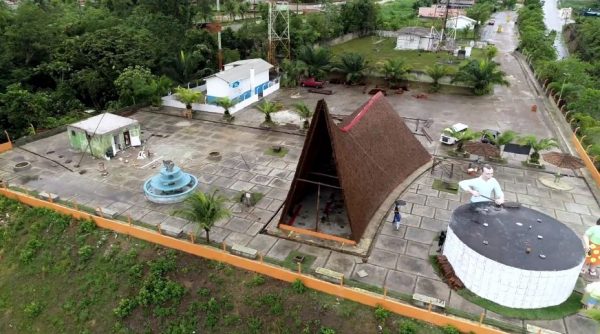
[[483, 185]]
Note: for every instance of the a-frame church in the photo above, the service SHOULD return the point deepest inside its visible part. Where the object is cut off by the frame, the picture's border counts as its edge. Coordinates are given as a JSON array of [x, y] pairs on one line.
[[347, 170]]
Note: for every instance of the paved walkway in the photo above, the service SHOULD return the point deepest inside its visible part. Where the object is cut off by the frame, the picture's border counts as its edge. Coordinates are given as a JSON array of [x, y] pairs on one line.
[[398, 260]]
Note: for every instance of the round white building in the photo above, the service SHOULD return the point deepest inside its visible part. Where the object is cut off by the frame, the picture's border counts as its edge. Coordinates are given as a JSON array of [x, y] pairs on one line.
[[516, 257]]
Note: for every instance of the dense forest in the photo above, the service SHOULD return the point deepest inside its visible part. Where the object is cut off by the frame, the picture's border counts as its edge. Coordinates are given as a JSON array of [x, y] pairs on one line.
[[58, 58]]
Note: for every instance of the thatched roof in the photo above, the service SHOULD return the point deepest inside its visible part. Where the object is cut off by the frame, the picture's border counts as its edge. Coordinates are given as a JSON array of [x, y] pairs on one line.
[[373, 152]]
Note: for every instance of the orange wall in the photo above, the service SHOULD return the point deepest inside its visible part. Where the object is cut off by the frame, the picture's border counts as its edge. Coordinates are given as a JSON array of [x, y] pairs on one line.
[[360, 296], [5, 147], [589, 164]]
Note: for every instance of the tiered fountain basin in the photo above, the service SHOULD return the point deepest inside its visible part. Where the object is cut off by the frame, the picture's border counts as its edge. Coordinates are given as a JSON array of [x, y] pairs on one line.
[[171, 185]]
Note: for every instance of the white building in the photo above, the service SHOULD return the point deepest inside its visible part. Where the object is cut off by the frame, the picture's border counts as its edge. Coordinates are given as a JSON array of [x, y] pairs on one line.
[[416, 38], [460, 22], [243, 82]]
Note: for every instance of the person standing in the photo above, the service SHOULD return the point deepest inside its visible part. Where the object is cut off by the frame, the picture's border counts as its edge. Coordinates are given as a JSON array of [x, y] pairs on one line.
[[397, 218], [483, 185], [591, 243]]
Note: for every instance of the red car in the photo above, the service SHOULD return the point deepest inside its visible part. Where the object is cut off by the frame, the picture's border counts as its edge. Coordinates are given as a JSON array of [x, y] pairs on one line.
[[311, 82]]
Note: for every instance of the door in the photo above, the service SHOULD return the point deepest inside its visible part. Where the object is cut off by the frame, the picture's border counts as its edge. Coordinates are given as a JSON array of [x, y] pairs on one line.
[[127, 138], [115, 144]]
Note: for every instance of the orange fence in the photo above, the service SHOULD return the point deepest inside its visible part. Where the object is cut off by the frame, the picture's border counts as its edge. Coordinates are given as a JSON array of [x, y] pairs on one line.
[[357, 295], [6, 146], [589, 163]]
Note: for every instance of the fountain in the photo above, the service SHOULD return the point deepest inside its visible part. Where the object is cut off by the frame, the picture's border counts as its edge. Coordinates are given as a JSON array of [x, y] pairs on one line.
[[171, 185]]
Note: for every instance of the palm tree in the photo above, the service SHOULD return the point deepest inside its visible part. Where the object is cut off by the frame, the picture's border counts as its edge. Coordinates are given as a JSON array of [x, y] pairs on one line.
[[225, 103], [437, 72], [304, 112], [292, 70], [490, 52], [160, 87], [268, 108], [204, 210], [353, 66], [462, 137], [466, 31], [188, 96], [481, 75], [504, 138], [395, 70], [317, 60], [231, 8], [185, 67], [537, 145]]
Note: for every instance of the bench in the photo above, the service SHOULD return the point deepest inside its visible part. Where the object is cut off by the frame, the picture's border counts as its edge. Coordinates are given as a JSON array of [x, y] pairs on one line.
[[171, 230], [321, 91], [426, 300], [244, 251], [48, 196], [329, 275], [532, 329], [106, 213]]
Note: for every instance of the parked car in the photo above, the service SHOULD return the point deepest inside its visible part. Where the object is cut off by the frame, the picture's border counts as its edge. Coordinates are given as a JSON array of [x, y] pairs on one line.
[[489, 136], [449, 140], [311, 82], [591, 12], [491, 22]]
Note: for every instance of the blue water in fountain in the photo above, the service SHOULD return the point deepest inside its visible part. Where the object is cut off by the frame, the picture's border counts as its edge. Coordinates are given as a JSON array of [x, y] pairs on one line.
[[171, 185]]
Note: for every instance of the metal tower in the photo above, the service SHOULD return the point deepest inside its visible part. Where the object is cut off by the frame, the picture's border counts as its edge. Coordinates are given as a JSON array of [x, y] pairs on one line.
[[279, 31]]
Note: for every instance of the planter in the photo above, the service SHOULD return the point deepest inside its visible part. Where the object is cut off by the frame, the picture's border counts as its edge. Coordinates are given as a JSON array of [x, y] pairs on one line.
[[214, 156], [530, 164], [21, 166]]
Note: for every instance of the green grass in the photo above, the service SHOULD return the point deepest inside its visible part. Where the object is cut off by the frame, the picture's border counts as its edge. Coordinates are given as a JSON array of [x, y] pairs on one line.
[[292, 265], [59, 275], [378, 49], [571, 306], [578, 4], [280, 154], [441, 186]]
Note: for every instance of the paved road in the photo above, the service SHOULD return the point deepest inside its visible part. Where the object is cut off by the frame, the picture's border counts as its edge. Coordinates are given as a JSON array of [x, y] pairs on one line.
[[554, 21]]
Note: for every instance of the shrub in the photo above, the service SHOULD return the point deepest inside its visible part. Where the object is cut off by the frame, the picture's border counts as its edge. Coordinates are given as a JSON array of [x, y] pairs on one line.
[[298, 286], [85, 253], [381, 314], [256, 280], [126, 306], [33, 309], [326, 330], [86, 227], [407, 327], [449, 329]]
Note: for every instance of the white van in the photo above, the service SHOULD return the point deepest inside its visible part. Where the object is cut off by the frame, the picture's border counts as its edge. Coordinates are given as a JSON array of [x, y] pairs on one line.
[[449, 140]]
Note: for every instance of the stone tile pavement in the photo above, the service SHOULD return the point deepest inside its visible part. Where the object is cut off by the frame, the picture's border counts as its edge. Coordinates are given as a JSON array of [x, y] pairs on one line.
[[398, 260]]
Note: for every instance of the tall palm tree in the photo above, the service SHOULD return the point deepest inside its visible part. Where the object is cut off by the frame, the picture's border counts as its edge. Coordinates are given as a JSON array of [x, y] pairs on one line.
[[317, 60], [267, 108], [437, 72], [243, 8], [225, 103], [204, 210], [482, 75], [537, 145], [304, 112], [504, 138], [462, 137], [353, 66], [292, 70], [186, 66], [188, 96], [395, 70]]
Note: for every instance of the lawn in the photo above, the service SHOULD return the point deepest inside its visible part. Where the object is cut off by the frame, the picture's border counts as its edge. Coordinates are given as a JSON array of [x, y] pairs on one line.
[[378, 49], [59, 275], [578, 4]]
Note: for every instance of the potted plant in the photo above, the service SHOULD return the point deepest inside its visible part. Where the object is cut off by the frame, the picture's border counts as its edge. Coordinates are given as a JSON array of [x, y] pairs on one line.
[[536, 145], [226, 103], [188, 96]]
